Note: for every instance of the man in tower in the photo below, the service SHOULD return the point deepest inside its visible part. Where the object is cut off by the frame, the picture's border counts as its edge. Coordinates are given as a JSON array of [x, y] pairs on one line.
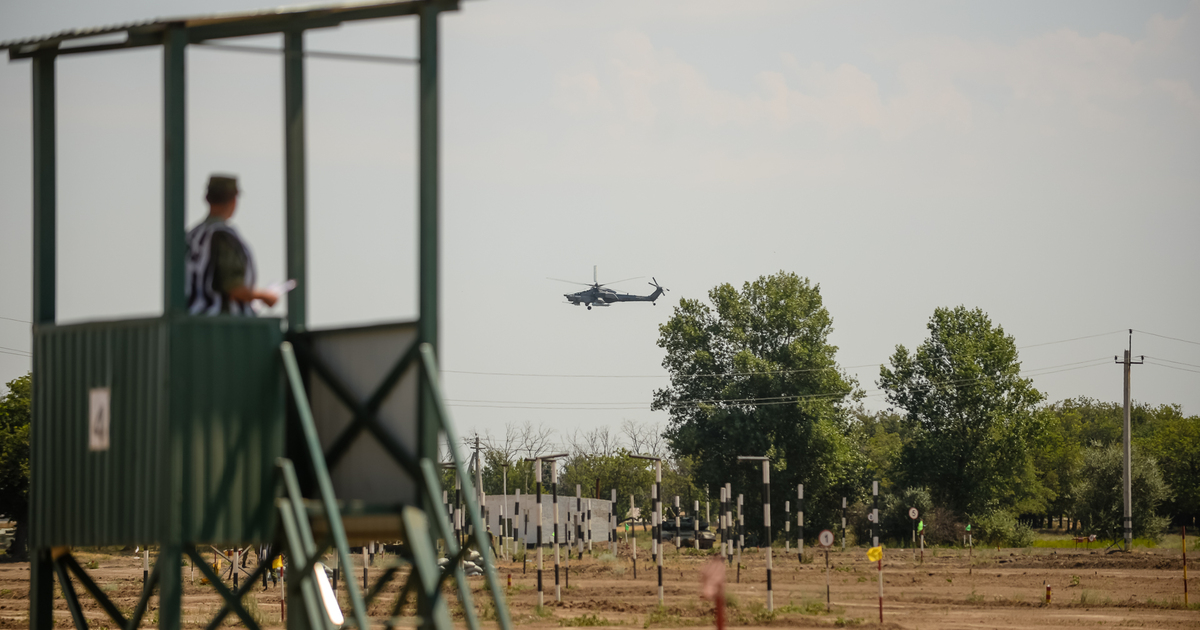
[[220, 267]]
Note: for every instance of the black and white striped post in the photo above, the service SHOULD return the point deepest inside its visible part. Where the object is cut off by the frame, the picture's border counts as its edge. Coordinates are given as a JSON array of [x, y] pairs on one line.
[[514, 525], [721, 522], [537, 466], [741, 535], [554, 536], [612, 524], [729, 520], [677, 522], [657, 522], [766, 499], [633, 526], [800, 518], [654, 523], [875, 515], [505, 530], [696, 524], [579, 518], [843, 523], [787, 527]]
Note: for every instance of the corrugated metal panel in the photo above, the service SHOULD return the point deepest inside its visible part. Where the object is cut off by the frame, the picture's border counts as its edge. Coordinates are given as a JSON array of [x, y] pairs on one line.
[[106, 497], [231, 423], [196, 424]]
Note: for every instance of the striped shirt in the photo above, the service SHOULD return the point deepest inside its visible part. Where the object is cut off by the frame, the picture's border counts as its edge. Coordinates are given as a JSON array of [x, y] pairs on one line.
[[218, 263]]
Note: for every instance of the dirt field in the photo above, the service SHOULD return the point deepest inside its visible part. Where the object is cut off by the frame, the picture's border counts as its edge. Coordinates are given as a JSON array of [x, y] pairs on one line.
[[993, 589]]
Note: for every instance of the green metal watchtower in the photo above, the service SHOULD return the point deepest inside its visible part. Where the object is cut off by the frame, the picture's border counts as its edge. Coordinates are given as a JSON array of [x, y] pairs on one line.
[[179, 430]]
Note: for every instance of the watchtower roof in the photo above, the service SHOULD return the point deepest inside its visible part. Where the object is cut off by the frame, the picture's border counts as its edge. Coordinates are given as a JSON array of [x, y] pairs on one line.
[[213, 26]]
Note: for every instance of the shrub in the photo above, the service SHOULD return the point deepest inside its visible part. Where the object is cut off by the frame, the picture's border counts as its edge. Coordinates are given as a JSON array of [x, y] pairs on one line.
[[1001, 529]]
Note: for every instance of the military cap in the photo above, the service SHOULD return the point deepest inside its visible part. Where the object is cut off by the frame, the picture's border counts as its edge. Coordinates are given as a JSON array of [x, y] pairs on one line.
[[221, 188]]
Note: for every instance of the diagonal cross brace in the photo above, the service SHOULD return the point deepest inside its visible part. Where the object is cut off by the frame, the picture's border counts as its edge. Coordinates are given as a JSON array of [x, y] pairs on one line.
[[433, 384], [324, 484], [232, 600], [365, 414]]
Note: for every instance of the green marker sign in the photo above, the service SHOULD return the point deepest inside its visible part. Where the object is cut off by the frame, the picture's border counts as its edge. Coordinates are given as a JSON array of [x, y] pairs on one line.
[[968, 527], [921, 525]]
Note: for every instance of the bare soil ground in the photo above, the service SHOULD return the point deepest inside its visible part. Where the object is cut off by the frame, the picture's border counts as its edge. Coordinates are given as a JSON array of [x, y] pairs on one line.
[[991, 589]]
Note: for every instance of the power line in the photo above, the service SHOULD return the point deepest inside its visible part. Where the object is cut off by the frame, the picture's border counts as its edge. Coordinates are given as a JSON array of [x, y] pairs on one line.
[[761, 401], [1170, 361], [1195, 343], [760, 373], [17, 354], [19, 321], [1172, 367], [25, 352]]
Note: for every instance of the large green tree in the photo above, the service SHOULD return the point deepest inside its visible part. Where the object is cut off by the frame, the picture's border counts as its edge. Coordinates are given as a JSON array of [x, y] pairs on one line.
[[1099, 492], [971, 418], [15, 413], [1175, 444], [753, 373]]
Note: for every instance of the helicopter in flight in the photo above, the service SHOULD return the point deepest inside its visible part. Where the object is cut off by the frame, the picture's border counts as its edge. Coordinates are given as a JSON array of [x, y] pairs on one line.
[[600, 295]]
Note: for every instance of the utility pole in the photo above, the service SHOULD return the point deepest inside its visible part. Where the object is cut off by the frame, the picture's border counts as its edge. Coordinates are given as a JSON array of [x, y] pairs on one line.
[[1127, 521]]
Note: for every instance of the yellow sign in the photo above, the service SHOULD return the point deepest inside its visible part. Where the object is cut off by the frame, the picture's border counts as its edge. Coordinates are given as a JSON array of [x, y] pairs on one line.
[[277, 563], [875, 554]]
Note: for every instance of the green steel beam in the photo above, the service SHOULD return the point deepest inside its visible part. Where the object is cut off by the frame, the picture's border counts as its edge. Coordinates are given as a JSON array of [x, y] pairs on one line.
[[232, 600], [202, 29], [139, 611], [432, 382], [41, 578], [170, 591], [69, 594], [94, 590], [293, 121], [41, 590], [174, 171], [427, 186], [44, 186], [312, 444]]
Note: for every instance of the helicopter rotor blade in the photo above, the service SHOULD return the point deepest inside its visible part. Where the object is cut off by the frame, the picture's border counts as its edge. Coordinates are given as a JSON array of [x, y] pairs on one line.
[[617, 281], [585, 284]]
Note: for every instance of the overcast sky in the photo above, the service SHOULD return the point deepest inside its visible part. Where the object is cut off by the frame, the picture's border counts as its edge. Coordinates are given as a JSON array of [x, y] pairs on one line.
[[1040, 161]]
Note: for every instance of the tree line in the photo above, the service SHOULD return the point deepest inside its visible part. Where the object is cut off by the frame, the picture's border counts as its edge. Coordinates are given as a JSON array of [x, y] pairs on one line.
[[966, 439]]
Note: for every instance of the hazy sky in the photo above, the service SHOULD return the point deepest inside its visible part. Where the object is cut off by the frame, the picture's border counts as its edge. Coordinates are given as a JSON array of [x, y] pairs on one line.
[[1038, 160]]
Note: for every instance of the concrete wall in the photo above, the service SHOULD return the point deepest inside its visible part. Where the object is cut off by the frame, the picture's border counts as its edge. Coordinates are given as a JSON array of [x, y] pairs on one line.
[[525, 522]]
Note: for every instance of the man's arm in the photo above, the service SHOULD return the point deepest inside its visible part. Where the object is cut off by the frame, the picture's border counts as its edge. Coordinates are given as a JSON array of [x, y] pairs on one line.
[[247, 294], [231, 273]]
